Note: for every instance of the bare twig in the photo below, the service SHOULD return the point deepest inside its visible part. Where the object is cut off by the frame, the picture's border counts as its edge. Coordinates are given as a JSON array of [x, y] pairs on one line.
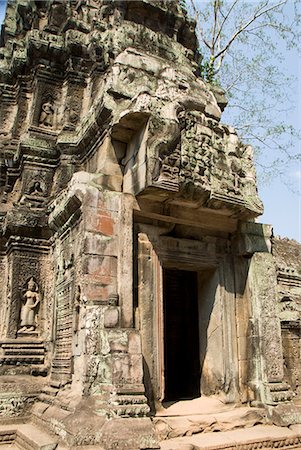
[[243, 27]]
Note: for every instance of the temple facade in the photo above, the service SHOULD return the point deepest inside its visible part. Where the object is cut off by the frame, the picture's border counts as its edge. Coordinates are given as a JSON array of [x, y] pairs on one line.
[[133, 272]]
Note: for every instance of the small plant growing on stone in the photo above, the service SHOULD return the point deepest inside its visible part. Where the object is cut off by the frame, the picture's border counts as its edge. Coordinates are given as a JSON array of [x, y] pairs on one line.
[[183, 6]]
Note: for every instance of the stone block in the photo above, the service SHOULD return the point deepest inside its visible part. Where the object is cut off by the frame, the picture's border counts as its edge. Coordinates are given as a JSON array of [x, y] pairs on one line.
[[134, 342], [126, 368], [98, 244], [130, 434], [100, 290], [110, 201], [107, 282], [111, 317], [118, 341], [98, 267], [252, 237], [136, 368], [111, 182], [242, 325], [86, 193], [285, 414], [104, 371], [243, 348], [244, 365], [118, 347], [121, 368], [30, 436], [100, 221]]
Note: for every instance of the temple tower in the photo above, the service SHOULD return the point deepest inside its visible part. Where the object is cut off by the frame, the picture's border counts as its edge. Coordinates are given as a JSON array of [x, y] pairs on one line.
[[132, 269]]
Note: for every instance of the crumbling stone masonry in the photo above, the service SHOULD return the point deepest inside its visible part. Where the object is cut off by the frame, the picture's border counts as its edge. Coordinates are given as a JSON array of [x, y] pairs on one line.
[[132, 270]]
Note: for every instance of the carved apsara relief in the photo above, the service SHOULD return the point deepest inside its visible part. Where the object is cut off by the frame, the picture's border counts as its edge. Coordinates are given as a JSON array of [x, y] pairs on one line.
[[47, 113], [29, 308]]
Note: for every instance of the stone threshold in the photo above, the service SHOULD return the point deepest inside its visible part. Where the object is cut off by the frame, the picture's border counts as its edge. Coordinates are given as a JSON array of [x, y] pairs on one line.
[[205, 415], [257, 437]]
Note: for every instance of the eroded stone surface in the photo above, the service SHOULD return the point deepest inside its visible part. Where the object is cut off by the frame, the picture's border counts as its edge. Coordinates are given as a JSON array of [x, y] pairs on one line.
[[258, 437], [172, 427], [131, 268]]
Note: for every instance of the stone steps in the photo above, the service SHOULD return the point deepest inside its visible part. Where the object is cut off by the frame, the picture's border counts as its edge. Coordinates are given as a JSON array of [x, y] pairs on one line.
[[207, 423], [7, 438], [258, 437], [22, 359], [26, 437], [22, 351], [181, 424], [51, 391], [48, 394]]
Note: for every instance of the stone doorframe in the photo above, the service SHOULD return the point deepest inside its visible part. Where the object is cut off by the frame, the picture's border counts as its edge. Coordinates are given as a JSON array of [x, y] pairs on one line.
[[155, 252]]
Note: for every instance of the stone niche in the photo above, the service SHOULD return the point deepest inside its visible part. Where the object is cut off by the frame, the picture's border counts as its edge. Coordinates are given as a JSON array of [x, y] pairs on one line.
[[132, 271]]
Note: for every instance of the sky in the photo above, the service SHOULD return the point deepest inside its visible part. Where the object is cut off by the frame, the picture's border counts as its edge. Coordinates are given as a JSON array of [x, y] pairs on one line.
[[280, 195]]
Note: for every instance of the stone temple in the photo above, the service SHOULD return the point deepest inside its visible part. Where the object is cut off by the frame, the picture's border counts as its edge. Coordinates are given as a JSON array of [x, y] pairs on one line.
[[134, 278]]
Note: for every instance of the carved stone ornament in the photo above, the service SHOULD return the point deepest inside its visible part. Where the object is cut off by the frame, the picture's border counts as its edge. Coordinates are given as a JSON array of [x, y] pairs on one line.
[[29, 306], [47, 114], [131, 208]]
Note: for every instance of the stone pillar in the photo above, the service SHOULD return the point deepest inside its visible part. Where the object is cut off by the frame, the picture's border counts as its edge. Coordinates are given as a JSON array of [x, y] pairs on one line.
[[227, 293], [256, 281], [149, 317], [125, 260], [3, 295], [243, 313], [267, 376]]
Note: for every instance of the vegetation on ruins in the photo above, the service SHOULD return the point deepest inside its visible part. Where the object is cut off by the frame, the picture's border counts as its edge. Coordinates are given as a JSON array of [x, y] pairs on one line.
[[246, 47]]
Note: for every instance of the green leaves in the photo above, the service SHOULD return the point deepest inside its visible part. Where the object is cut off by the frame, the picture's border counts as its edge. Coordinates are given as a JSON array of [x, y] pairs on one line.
[[207, 70]]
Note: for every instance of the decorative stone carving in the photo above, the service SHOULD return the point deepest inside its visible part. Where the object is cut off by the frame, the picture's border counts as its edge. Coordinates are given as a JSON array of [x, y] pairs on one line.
[[47, 114], [115, 168], [31, 300], [36, 189], [25, 16]]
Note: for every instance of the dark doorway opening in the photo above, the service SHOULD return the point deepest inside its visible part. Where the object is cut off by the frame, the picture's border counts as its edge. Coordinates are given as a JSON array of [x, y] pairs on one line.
[[181, 335]]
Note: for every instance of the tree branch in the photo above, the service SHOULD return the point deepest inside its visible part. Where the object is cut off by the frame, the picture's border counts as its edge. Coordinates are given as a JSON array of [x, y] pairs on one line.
[[243, 27], [197, 14], [225, 19], [215, 18]]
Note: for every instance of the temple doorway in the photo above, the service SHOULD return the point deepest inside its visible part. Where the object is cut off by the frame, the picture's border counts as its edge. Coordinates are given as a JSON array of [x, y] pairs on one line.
[[181, 335]]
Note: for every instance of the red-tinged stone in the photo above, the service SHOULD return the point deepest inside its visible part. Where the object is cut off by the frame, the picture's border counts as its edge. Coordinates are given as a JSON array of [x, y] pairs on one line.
[[98, 244], [100, 265], [111, 317]]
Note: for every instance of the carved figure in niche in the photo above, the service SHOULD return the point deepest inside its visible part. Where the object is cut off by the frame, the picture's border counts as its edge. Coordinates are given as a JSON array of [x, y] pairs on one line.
[[206, 177], [57, 15], [47, 114], [68, 263], [29, 307], [171, 164], [70, 113], [77, 304], [182, 118], [35, 188], [24, 17]]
